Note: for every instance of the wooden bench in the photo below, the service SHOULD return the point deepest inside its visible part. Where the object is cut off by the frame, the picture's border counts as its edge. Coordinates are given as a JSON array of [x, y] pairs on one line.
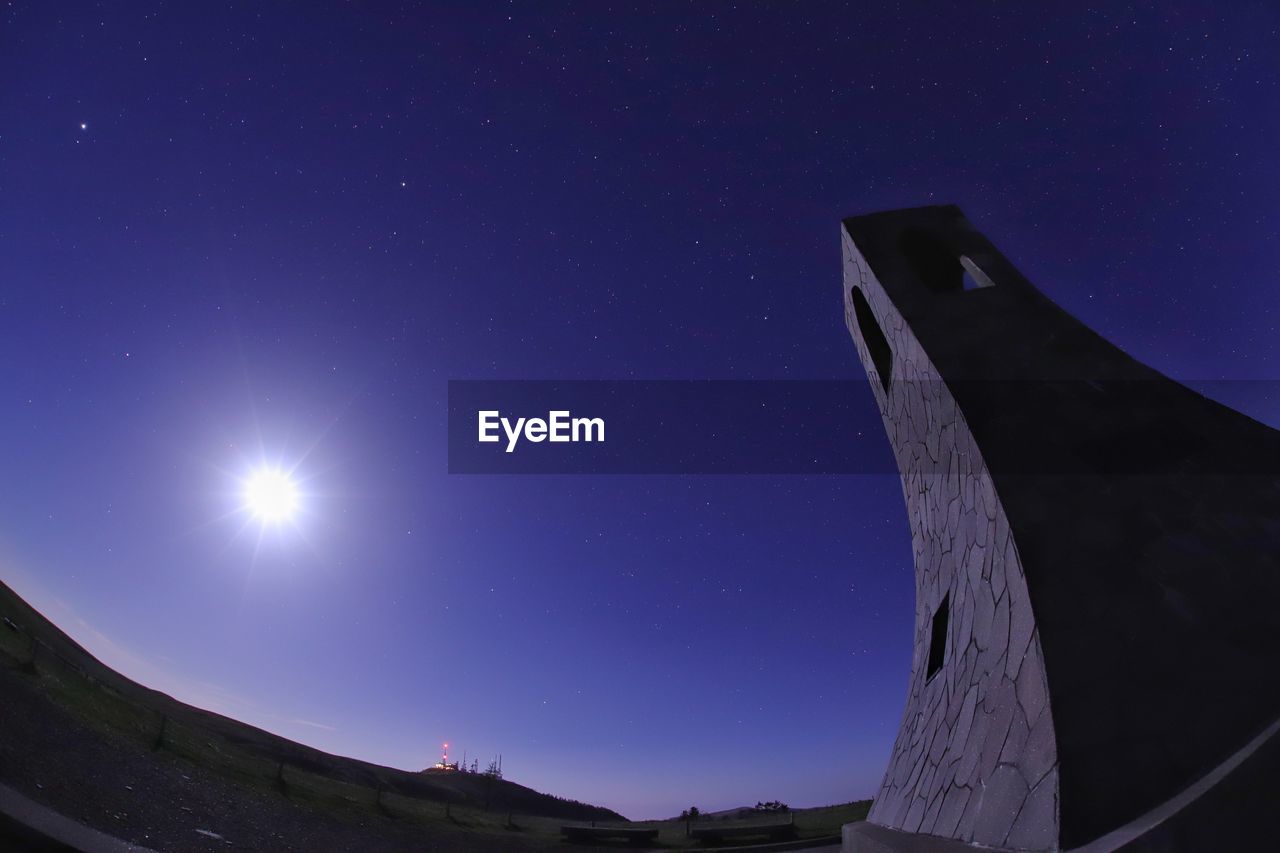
[[775, 830], [636, 834]]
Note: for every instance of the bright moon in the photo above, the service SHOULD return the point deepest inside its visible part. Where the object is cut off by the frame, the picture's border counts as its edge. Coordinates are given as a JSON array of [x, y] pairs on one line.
[[271, 496]]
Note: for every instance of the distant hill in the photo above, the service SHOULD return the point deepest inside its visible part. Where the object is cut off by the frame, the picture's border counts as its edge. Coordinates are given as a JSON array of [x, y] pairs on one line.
[[98, 692], [737, 813]]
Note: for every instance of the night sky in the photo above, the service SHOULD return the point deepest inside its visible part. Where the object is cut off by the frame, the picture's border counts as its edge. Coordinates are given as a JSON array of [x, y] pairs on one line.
[[269, 234]]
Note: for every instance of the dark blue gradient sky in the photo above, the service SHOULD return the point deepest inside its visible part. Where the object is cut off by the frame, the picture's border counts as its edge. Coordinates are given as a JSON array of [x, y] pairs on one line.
[[283, 227]]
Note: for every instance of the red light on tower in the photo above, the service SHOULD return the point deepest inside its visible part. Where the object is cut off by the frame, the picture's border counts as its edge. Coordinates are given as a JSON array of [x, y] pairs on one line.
[[444, 763]]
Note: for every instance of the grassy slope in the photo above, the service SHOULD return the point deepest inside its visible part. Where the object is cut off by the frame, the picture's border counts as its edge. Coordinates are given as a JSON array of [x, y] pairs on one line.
[[84, 685], [267, 765]]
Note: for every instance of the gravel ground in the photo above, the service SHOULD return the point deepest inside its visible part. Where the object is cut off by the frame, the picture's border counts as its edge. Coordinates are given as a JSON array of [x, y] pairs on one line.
[[163, 802]]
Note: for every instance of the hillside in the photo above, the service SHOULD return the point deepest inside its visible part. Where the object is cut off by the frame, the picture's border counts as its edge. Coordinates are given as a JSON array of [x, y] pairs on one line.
[[74, 722]]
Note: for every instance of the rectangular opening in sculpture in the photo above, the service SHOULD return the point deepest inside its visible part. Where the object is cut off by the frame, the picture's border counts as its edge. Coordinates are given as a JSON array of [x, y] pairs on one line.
[[938, 637]]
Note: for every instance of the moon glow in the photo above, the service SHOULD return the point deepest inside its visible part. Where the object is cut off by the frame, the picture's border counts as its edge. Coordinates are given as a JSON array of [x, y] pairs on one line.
[[271, 496]]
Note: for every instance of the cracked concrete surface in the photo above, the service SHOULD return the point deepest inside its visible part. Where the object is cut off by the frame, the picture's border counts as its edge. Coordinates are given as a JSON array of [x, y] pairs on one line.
[[975, 758]]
